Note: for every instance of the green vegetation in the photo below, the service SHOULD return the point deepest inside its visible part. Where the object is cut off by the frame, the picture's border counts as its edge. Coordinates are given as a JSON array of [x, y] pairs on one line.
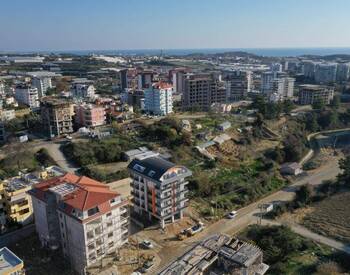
[[228, 188], [288, 253], [24, 159], [270, 110]]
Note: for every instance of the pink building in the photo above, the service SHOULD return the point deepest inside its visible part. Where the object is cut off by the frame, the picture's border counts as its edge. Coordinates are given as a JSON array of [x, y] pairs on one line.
[[89, 115]]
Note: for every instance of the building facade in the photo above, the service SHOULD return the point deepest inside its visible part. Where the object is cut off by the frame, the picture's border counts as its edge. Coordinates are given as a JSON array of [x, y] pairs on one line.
[[11, 264], [89, 115], [82, 90], [238, 84], [57, 115], [159, 188], [42, 84], [325, 73], [310, 94], [202, 90], [159, 99], [27, 95], [82, 217]]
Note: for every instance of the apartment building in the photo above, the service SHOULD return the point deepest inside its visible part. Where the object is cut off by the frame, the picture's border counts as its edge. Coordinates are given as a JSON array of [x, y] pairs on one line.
[[2, 88], [238, 84], [42, 83], [27, 95], [325, 73], [159, 99], [282, 89], [16, 203], [309, 94], [57, 115], [159, 187], [219, 254], [81, 216], [7, 114], [202, 90], [343, 72], [145, 79], [89, 115], [82, 90]]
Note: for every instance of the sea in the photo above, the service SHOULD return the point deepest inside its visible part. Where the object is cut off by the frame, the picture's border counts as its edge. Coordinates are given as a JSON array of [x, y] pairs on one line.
[[268, 52]]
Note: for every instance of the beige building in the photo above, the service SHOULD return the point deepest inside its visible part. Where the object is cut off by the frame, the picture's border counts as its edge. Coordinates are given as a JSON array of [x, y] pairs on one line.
[[57, 116], [81, 216]]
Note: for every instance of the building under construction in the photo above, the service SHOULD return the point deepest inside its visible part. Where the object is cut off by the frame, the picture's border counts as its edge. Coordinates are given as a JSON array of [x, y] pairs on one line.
[[57, 116], [218, 255]]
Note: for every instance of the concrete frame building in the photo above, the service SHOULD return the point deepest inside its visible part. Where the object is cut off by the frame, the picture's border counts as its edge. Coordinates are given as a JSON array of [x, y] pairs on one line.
[[57, 115], [159, 187], [89, 115], [202, 90], [238, 84], [159, 99], [220, 255], [81, 216], [145, 80], [309, 94], [83, 90], [27, 95]]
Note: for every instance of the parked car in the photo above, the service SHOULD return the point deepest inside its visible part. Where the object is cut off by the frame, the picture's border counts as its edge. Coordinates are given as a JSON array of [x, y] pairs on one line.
[[231, 215], [196, 228], [146, 244]]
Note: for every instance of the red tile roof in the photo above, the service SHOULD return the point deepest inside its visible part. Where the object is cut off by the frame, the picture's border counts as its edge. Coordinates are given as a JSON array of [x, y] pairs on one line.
[[89, 193], [162, 85]]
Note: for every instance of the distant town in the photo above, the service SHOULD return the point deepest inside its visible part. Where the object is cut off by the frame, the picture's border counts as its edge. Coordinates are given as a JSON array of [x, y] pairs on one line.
[[201, 163]]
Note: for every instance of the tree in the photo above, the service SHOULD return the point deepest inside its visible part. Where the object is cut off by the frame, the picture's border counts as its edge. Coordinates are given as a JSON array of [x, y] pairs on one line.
[[304, 194], [335, 103], [312, 124], [344, 164], [318, 105]]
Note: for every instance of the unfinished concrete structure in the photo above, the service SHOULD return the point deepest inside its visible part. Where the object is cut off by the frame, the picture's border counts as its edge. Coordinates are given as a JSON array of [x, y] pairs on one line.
[[219, 255], [57, 116]]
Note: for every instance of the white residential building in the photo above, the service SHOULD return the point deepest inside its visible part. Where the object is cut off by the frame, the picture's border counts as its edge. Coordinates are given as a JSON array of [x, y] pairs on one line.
[[282, 89], [81, 216], [42, 84], [343, 72], [159, 99], [2, 88], [27, 95], [83, 90]]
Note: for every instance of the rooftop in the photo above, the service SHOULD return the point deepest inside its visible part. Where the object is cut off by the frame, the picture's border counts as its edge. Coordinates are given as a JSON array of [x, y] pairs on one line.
[[54, 101], [76, 192], [9, 262]]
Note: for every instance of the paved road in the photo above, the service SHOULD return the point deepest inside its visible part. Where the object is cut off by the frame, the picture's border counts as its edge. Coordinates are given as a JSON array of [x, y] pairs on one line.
[[248, 214]]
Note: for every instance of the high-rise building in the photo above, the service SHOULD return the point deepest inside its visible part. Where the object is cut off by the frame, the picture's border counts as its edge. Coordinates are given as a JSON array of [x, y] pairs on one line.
[[309, 68], [27, 95], [81, 216], [159, 187], [145, 80], [42, 84], [159, 99], [310, 94], [2, 88], [238, 84], [89, 115], [325, 73], [343, 72], [57, 115], [282, 89], [202, 90], [276, 67]]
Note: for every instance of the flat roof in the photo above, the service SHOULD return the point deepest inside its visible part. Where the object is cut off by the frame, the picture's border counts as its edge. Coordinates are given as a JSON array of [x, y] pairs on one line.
[[9, 261]]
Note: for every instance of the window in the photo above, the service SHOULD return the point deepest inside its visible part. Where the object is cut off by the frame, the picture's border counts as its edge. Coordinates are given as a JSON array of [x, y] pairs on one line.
[[109, 214], [109, 224], [98, 230], [110, 244], [110, 235], [93, 211]]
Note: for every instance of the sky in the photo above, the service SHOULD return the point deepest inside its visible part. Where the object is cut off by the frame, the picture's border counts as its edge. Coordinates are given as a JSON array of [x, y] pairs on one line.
[[30, 25]]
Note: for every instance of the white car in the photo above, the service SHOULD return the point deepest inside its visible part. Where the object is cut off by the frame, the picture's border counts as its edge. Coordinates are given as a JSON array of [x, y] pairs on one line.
[[146, 244], [231, 215]]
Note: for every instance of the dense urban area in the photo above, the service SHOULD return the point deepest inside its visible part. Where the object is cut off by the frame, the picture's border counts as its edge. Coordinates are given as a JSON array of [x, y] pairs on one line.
[[227, 163]]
